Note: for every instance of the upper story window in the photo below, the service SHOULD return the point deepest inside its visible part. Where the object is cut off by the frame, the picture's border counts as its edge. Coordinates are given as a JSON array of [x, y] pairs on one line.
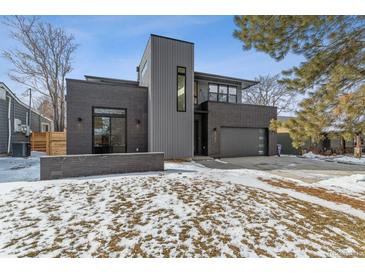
[[196, 92], [232, 94], [222, 96], [213, 92], [181, 89], [222, 93]]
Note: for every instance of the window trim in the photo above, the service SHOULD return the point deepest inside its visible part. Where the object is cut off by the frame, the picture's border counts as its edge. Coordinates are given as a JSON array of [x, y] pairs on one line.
[[218, 93], [177, 88], [110, 116]]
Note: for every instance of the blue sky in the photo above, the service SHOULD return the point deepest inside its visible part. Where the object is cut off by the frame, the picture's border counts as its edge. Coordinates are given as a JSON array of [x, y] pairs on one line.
[[112, 46]]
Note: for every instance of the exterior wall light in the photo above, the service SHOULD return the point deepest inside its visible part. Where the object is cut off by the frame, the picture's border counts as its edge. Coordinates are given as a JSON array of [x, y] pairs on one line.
[[79, 119]]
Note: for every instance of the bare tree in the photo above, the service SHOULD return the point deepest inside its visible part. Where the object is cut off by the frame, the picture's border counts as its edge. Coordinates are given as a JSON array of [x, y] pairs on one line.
[[43, 105], [270, 92], [43, 61]]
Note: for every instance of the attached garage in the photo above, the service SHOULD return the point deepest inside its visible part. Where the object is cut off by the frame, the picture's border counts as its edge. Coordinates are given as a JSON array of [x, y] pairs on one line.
[[238, 142]]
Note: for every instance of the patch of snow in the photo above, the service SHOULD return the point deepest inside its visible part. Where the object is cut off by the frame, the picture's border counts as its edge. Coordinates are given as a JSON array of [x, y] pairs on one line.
[[14, 169], [339, 159], [353, 185], [220, 161], [187, 210]]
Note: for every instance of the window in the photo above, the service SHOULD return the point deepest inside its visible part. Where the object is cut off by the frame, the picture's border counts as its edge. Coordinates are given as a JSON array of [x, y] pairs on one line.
[[44, 127], [109, 130], [222, 93], [213, 92], [109, 111], [181, 89], [222, 96], [232, 94], [196, 92]]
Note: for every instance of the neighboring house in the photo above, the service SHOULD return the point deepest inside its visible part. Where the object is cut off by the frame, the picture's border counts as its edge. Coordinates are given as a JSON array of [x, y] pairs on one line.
[[331, 143], [14, 115], [170, 108]]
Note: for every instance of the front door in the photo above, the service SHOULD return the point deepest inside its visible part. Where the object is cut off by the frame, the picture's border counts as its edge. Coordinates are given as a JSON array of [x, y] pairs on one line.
[[109, 130]]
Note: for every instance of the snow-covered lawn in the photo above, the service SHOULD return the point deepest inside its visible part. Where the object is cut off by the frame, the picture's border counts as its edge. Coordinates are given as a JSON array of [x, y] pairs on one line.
[[186, 211], [13, 169], [343, 159]]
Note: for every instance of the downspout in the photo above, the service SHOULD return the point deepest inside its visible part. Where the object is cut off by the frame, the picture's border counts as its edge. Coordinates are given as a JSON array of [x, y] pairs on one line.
[[9, 124]]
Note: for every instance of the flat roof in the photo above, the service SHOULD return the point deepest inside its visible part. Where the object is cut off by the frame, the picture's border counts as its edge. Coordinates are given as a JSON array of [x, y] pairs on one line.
[[111, 80], [165, 37], [222, 77]]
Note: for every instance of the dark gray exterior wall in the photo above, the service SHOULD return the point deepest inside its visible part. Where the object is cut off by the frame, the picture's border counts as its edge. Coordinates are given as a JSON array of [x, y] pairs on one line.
[[57, 167], [82, 96], [170, 131], [237, 115]]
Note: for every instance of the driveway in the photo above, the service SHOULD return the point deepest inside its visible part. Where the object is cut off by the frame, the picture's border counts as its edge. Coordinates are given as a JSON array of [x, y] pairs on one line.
[[308, 170]]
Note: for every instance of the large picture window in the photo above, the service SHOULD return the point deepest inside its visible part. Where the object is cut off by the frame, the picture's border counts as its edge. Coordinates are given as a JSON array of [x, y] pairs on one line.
[[222, 93], [109, 130], [181, 89]]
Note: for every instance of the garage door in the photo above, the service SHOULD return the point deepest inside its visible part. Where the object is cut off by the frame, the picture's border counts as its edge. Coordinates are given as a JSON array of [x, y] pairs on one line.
[[237, 142]]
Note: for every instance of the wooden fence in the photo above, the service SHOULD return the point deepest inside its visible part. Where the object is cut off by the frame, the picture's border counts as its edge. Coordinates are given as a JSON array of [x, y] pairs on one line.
[[53, 143]]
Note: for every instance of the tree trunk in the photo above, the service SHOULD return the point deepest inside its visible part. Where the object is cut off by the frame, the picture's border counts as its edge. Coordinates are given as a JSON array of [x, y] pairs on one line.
[[357, 150], [343, 145]]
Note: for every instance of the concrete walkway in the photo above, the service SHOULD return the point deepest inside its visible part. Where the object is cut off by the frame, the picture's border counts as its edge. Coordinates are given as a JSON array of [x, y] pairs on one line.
[[308, 170]]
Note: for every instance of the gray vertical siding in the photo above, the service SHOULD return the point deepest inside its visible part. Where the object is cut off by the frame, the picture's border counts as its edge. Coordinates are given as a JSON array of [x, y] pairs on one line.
[[3, 125], [145, 81], [170, 131], [18, 111]]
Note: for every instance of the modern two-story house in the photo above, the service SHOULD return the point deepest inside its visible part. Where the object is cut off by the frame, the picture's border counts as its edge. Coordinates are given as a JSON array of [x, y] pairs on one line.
[[170, 108]]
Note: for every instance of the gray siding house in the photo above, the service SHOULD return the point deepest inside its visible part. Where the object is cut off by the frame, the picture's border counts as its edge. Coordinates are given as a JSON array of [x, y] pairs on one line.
[[13, 114], [170, 108]]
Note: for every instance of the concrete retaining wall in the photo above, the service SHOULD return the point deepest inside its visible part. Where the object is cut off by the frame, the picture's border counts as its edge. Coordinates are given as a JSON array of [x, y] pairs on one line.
[[57, 167]]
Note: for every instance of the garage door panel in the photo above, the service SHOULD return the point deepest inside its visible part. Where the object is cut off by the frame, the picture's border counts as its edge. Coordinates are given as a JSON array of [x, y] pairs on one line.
[[237, 142]]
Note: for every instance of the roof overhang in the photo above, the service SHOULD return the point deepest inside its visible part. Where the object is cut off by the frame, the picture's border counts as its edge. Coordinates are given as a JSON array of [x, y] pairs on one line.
[[233, 80]]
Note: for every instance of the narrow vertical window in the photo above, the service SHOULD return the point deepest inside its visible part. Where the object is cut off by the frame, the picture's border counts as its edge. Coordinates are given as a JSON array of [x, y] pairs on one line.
[[196, 92], [181, 89]]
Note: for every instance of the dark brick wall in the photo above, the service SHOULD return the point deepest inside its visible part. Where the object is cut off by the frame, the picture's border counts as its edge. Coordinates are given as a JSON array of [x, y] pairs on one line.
[[57, 167], [237, 115], [83, 95]]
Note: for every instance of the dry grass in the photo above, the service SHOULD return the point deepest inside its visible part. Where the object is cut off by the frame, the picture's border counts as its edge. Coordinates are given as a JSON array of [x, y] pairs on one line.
[[318, 192], [128, 219]]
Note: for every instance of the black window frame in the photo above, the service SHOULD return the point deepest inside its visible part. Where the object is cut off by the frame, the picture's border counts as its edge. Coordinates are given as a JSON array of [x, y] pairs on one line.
[[93, 114], [217, 94], [177, 88]]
